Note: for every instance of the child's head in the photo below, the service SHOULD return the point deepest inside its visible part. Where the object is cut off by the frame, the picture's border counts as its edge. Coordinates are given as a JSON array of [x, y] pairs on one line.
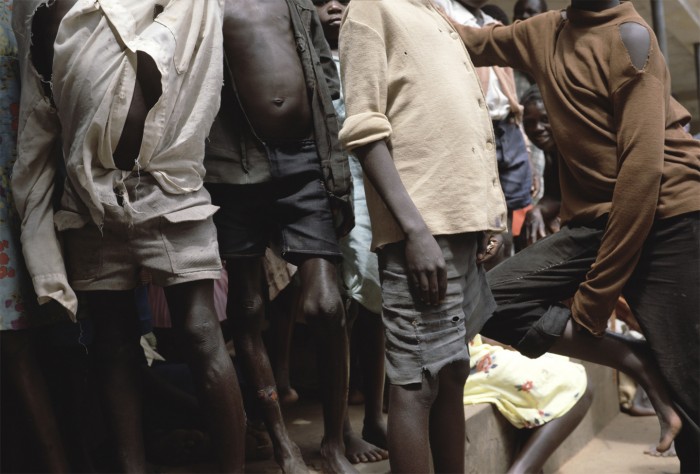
[[330, 12], [536, 120], [525, 9]]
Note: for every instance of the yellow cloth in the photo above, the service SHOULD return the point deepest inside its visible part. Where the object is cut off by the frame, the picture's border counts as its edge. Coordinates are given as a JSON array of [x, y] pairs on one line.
[[528, 392]]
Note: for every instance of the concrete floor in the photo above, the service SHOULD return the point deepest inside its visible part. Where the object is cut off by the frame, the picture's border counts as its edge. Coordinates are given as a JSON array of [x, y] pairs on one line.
[[618, 448]]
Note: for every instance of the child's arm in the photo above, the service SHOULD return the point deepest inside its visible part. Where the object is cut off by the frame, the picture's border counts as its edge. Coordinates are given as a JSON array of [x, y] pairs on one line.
[[640, 100], [426, 265], [513, 46]]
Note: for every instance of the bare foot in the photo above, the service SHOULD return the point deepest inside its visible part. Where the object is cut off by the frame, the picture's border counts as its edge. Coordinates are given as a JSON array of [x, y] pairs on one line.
[[671, 425], [334, 460], [288, 456], [652, 451], [659, 397], [358, 450], [287, 396], [375, 433]]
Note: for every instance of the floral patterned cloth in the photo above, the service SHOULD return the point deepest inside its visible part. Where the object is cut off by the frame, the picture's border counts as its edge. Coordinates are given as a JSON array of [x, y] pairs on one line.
[[528, 392], [13, 276]]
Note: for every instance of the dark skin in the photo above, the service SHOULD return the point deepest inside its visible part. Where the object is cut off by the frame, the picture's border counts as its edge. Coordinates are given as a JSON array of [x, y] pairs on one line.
[[260, 46], [116, 346], [372, 445], [22, 371], [524, 9], [607, 348], [542, 219], [421, 415]]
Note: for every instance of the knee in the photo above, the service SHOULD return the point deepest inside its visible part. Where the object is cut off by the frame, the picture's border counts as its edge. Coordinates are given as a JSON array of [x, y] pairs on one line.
[[326, 311], [201, 335]]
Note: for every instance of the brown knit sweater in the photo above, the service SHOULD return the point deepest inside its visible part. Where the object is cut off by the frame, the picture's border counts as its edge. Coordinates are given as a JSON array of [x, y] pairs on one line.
[[620, 135]]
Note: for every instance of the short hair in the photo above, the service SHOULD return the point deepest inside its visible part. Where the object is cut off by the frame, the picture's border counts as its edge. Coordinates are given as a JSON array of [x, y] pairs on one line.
[[532, 94]]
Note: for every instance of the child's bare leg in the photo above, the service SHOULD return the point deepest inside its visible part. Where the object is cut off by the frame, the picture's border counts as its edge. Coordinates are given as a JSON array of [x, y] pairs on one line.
[[20, 363], [408, 425], [285, 308], [371, 329], [447, 419], [117, 353], [194, 318], [544, 440], [246, 312], [324, 311], [361, 449], [633, 358]]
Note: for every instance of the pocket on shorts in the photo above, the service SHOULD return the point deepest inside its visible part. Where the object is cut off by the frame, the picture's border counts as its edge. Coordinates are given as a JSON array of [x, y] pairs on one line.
[[189, 236], [82, 245]]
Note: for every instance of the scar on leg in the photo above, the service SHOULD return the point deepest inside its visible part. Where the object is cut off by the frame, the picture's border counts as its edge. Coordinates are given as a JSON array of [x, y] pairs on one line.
[[268, 394]]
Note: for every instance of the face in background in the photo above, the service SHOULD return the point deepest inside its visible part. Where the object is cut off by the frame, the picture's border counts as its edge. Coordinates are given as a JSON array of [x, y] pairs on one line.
[[537, 127], [473, 4], [525, 9], [330, 12]]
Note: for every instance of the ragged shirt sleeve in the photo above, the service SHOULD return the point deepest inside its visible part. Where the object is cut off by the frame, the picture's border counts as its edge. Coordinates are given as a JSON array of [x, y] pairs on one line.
[[33, 179], [640, 145], [363, 71]]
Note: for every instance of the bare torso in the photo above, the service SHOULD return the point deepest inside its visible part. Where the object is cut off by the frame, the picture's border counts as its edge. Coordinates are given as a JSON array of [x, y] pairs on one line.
[[45, 25], [261, 50]]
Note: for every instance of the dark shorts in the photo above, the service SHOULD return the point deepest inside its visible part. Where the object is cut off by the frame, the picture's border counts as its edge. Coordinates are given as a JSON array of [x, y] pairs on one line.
[[291, 211], [663, 293]]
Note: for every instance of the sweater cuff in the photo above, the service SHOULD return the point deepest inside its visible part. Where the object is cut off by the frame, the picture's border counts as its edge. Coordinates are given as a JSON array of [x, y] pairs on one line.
[[55, 287], [595, 321], [365, 128]]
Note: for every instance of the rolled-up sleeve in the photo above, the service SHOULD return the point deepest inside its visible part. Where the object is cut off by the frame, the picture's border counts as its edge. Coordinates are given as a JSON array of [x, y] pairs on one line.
[[363, 70]]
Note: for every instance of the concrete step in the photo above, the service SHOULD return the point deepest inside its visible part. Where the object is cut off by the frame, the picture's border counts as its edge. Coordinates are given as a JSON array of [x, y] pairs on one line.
[[491, 441]]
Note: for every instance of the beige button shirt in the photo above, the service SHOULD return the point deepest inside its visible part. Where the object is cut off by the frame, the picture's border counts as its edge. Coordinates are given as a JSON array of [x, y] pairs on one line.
[[94, 72], [408, 80]]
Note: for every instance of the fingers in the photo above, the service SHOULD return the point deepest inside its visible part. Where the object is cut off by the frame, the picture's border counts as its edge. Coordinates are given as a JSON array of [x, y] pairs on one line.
[[442, 284], [431, 286], [492, 248], [424, 287]]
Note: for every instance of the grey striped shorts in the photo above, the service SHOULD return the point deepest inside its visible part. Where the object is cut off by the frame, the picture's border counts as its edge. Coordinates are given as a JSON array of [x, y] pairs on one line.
[[422, 338]]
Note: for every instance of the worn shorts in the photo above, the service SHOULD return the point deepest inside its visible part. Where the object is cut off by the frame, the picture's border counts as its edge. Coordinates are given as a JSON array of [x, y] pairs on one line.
[[171, 235], [291, 211], [421, 338]]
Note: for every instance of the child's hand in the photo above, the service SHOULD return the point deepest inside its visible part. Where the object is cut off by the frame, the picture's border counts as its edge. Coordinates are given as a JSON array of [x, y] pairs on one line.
[[488, 247], [426, 267]]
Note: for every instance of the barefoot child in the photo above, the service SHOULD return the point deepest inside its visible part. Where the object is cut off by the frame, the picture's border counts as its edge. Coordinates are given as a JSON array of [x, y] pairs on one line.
[[417, 120], [122, 95], [630, 186], [271, 163], [361, 279]]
